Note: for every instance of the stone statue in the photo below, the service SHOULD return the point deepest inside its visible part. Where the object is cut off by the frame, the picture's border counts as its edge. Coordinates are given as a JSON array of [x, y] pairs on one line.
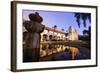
[[31, 51]]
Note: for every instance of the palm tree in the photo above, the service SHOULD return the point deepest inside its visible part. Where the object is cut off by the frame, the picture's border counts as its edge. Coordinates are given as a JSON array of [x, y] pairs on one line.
[[85, 32], [87, 35], [62, 36], [55, 26], [84, 17], [62, 29]]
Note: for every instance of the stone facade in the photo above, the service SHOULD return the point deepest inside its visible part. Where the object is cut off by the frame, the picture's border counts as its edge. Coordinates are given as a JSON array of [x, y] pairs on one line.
[[72, 34], [58, 35], [52, 34]]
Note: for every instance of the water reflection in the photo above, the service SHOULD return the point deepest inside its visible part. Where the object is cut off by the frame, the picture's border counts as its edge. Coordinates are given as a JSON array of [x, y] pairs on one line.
[[58, 51]]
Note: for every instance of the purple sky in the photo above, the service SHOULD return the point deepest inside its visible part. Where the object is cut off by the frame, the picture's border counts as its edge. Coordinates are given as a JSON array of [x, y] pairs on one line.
[[61, 19]]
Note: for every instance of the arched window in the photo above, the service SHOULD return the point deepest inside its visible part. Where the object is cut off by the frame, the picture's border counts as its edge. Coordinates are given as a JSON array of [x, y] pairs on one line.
[[45, 37], [50, 37]]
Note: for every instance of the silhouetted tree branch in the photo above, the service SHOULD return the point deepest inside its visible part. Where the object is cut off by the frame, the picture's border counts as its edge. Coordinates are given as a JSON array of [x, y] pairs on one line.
[[84, 17]]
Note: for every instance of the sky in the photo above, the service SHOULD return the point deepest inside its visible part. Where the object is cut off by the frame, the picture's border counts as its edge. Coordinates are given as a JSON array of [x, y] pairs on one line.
[[63, 20]]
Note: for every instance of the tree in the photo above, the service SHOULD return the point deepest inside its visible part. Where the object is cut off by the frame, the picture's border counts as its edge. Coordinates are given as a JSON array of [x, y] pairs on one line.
[[84, 17], [85, 32], [53, 46], [55, 26], [62, 29]]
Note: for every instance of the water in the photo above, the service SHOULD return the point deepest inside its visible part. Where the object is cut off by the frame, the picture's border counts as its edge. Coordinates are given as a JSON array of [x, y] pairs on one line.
[[58, 52]]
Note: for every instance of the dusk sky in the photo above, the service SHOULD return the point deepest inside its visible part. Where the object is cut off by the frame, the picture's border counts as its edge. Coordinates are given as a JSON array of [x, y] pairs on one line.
[[61, 19]]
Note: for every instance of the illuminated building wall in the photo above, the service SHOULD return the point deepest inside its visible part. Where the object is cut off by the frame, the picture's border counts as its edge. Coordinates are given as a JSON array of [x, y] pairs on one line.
[[54, 34]]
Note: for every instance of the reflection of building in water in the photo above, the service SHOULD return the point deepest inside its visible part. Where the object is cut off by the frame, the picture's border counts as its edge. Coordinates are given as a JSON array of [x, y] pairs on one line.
[[71, 51], [54, 34]]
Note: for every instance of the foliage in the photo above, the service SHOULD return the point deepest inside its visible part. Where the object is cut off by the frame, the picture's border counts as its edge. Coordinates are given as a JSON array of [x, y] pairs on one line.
[[84, 17]]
